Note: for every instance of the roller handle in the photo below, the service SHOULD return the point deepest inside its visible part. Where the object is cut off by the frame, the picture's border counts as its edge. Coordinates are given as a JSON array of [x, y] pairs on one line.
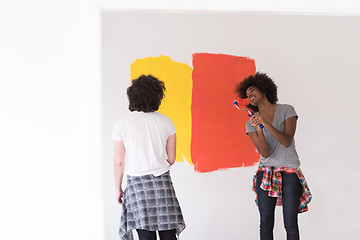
[[252, 114]]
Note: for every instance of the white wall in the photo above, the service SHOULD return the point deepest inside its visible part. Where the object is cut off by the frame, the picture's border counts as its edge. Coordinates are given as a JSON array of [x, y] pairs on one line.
[[50, 120], [314, 61], [50, 112]]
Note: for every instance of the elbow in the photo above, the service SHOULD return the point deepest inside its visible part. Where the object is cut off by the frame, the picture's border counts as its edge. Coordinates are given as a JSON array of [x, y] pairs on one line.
[[287, 144], [118, 163], [265, 154], [171, 161]]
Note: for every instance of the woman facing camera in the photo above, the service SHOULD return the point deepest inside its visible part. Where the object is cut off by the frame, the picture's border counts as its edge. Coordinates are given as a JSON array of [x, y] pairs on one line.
[[145, 149], [278, 180]]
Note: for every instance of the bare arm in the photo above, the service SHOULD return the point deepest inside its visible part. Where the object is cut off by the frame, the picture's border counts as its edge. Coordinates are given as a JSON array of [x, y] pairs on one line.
[[171, 149], [286, 137], [260, 142], [119, 165]]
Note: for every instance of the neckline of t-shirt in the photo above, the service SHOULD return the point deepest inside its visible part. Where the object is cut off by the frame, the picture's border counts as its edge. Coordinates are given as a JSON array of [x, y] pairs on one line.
[[275, 114], [276, 109]]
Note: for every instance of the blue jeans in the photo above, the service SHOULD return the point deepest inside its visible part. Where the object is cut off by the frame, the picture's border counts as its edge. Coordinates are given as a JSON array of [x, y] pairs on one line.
[[291, 193], [151, 235]]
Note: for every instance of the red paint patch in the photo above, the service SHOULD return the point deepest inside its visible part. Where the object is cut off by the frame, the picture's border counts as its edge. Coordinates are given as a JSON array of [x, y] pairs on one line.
[[219, 139], [243, 102]]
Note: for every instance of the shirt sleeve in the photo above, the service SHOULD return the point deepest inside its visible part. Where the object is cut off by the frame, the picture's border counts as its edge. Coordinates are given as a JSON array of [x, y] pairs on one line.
[[172, 127], [290, 112], [249, 127], [117, 134]]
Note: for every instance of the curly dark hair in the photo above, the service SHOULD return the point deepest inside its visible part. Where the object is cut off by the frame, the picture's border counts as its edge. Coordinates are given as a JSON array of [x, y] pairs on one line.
[[145, 94], [261, 81]]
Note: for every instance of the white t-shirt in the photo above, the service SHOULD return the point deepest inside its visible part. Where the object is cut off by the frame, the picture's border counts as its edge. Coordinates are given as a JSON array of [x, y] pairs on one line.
[[144, 136]]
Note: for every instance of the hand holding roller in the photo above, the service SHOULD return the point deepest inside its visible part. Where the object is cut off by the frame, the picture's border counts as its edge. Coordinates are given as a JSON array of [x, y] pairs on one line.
[[245, 102]]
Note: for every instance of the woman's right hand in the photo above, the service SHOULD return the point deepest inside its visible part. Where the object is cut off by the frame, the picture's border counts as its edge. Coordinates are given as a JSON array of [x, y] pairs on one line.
[[120, 196]]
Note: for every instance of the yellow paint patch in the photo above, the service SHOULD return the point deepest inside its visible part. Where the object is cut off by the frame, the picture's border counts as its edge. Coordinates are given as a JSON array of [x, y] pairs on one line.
[[177, 102]]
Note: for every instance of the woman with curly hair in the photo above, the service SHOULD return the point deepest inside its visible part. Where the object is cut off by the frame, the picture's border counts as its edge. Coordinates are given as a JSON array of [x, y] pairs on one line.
[[278, 180], [145, 149]]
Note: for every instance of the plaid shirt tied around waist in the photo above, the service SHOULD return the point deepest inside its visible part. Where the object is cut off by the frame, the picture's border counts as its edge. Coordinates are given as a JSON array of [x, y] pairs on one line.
[[272, 183], [150, 203]]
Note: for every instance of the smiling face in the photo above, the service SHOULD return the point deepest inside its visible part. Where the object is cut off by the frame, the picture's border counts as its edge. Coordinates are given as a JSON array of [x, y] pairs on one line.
[[254, 94]]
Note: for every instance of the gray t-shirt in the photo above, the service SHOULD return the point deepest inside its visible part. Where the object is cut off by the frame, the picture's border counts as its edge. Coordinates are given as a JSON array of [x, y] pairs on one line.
[[280, 156]]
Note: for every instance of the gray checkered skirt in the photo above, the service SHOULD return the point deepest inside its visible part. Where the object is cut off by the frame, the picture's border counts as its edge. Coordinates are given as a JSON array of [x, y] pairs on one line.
[[150, 204]]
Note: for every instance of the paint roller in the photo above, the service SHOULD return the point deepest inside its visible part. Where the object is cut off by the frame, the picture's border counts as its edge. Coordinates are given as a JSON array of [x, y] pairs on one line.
[[244, 102]]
